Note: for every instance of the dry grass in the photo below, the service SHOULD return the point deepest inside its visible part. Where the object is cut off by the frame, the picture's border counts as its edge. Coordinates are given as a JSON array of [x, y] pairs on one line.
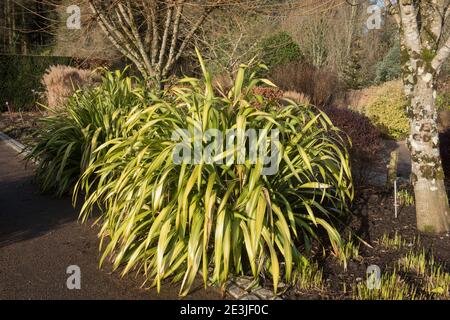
[[367, 144], [60, 82], [298, 97], [321, 85], [222, 82]]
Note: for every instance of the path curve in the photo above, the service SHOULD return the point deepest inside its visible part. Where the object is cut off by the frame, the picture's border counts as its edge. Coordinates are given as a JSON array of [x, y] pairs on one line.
[[40, 237]]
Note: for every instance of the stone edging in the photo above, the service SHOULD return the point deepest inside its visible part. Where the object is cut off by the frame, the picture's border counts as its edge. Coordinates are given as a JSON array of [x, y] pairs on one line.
[[21, 149], [243, 288], [12, 143]]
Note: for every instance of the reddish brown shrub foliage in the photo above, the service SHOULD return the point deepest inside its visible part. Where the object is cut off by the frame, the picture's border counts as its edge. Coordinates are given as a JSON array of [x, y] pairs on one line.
[[445, 155], [269, 93], [320, 85], [366, 140]]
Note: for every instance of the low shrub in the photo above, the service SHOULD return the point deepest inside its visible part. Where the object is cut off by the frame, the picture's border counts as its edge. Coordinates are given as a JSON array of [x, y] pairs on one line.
[[320, 85], [443, 92], [390, 67], [443, 101], [20, 86], [387, 110], [60, 82], [385, 105], [171, 219], [269, 95]]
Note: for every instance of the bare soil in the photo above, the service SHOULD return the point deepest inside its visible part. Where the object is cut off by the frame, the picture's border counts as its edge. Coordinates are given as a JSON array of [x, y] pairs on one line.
[[373, 217], [20, 125]]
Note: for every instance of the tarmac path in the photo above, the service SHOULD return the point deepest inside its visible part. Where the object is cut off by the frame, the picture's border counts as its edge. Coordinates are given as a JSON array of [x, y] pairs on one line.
[[40, 237]]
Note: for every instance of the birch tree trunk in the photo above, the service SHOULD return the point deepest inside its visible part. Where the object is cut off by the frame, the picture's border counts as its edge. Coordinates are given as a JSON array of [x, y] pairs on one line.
[[432, 209], [421, 61]]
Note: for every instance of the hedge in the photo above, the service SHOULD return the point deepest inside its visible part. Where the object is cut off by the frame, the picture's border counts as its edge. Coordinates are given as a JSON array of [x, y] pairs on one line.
[[20, 79]]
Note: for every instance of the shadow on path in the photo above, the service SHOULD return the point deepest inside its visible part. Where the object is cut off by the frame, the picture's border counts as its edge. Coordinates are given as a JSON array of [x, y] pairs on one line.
[[40, 237]]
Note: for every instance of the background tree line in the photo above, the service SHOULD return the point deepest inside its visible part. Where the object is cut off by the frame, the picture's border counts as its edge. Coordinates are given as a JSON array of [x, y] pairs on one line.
[[27, 26], [327, 34]]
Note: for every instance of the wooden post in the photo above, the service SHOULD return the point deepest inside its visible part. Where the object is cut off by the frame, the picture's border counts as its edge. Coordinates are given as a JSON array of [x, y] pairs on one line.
[[392, 169]]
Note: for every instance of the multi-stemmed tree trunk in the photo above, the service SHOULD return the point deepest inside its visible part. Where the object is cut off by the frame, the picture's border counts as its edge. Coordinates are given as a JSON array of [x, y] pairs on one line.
[[423, 51], [153, 34]]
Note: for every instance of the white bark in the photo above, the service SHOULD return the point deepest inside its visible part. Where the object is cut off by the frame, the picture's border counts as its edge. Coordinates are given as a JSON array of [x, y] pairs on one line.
[[441, 56], [418, 43], [157, 45], [432, 209]]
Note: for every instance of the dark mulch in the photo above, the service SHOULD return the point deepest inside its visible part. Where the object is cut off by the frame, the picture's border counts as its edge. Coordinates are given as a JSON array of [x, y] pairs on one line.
[[444, 138], [374, 217], [20, 125]]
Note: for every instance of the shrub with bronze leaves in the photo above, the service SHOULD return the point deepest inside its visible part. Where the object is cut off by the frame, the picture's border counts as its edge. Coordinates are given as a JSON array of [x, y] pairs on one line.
[[366, 141]]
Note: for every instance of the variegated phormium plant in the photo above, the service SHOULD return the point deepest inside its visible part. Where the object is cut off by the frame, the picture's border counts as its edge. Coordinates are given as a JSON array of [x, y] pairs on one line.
[[173, 221], [89, 118]]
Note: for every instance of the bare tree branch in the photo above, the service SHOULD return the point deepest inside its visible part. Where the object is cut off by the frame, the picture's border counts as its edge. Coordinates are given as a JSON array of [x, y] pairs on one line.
[[393, 10], [441, 56]]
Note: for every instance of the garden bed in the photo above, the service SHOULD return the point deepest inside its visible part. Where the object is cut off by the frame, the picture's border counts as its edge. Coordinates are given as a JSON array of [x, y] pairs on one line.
[[20, 125], [390, 238], [412, 265]]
